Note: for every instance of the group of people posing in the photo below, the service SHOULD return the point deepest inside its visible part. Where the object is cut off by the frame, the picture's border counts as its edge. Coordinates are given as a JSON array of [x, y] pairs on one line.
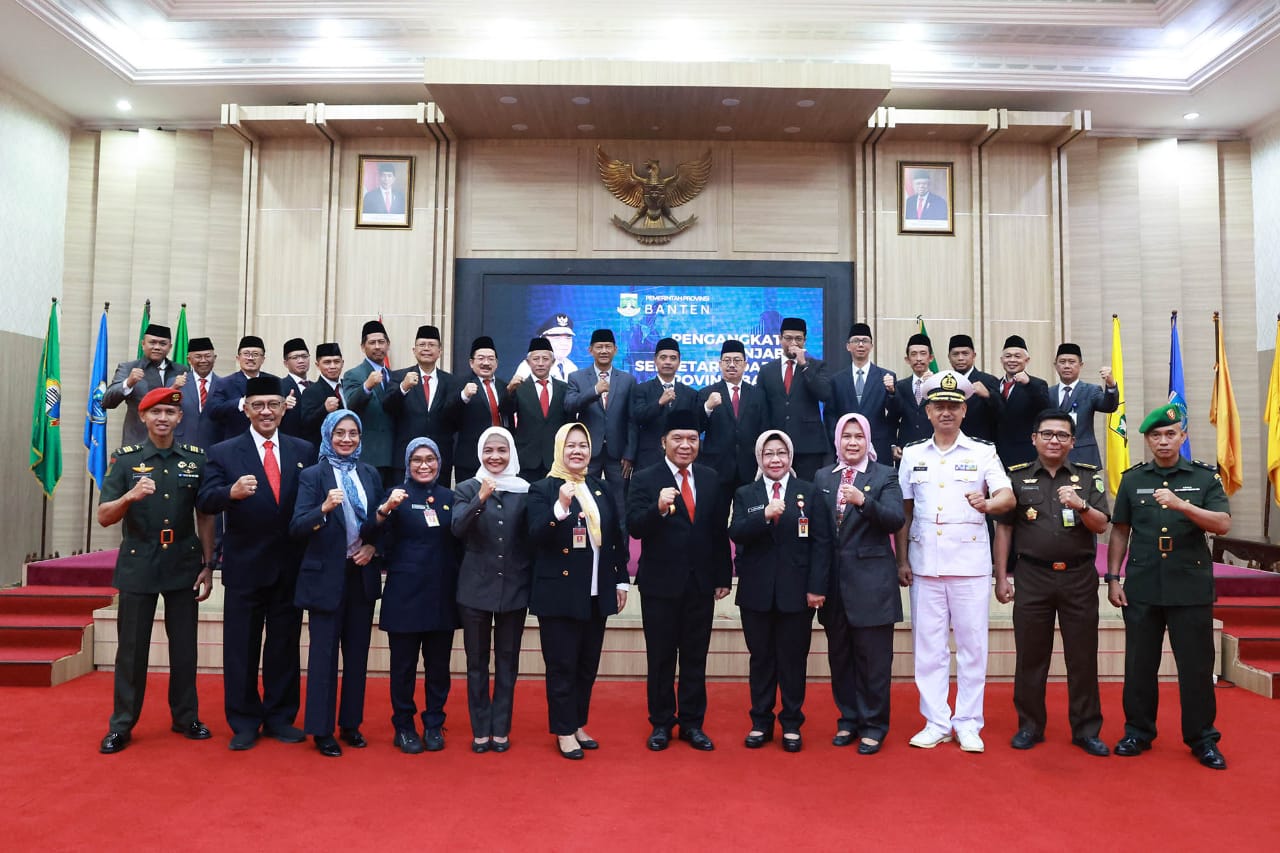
[[551, 478]]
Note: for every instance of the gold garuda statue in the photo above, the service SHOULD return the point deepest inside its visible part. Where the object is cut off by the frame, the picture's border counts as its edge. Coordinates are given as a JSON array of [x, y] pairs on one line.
[[653, 196]]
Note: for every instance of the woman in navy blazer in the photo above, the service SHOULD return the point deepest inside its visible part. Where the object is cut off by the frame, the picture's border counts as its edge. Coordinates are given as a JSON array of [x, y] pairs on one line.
[[493, 589], [339, 579], [419, 612], [863, 597], [579, 580]]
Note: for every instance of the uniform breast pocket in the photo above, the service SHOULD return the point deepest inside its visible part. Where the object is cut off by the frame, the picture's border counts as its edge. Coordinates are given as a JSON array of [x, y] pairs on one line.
[[961, 475], [1030, 497], [919, 475]]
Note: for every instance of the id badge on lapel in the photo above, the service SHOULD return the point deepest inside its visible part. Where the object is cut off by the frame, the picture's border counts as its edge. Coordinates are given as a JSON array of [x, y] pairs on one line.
[[580, 534], [802, 523], [433, 520]]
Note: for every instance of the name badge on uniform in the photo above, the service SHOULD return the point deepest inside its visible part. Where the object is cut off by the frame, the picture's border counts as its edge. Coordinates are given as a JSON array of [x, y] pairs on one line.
[[580, 534], [802, 523], [429, 514], [1068, 517]]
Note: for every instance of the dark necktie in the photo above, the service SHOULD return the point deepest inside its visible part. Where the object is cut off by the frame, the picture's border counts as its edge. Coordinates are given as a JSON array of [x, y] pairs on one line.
[[859, 384], [1065, 402], [604, 398]]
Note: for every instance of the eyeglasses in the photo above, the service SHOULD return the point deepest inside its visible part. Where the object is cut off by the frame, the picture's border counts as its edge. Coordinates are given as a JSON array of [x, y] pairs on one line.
[[422, 462], [1054, 435], [862, 341], [263, 405]]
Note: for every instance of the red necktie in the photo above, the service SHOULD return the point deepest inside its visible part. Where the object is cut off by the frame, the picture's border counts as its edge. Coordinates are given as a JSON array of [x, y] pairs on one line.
[[735, 401], [272, 467], [544, 398], [919, 207], [1007, 386], [786, 376], [846, 479], [493, 403], [686, 493], [426, 389], [204, 392], [777, 490]]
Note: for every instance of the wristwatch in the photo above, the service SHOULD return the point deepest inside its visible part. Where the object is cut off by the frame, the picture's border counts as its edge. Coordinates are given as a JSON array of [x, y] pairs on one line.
[[1110, 577]]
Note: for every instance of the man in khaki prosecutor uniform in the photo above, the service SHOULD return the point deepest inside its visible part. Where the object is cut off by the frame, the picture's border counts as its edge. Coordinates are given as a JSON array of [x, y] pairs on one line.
[[166, 550], [1163, 510]]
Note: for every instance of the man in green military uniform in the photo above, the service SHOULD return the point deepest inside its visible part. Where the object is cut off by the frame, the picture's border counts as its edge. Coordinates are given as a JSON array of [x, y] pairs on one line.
[[165, 550], [1061, 508], [1163, 509]]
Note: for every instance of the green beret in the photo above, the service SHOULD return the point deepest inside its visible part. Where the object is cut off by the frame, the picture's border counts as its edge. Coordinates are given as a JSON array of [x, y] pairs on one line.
[[1166, 414]]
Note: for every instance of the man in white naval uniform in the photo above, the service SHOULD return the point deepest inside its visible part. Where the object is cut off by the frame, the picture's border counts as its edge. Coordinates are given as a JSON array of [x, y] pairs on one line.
[[950, 482]]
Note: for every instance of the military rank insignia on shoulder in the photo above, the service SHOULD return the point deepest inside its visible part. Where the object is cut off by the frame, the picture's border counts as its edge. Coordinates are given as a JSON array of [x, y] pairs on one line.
[[1019, 466], [128, 448], [918, 441], [977, 440], [1135, 466], [1205, 465], [1085, 465], [193, 448]]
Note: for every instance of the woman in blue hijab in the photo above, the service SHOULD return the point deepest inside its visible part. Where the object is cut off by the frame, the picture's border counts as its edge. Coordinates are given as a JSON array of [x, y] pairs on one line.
[[339, 579], [419, 609]]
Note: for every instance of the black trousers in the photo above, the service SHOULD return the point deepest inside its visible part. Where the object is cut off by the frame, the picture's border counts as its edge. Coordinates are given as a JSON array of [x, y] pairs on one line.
[[246, 612], [1071, 596], [434, 647], [778, 644], [1191, 638], [137, 613], [861, 661], [571, 653], [677, 630], [348, 627], [807, 464], [491, 716]]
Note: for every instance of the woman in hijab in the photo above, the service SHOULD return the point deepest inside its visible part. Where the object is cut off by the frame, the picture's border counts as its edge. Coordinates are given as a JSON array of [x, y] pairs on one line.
[[419, 612], [783, 531], [863, 597], [339, 579], [493, 589], [579, 579]]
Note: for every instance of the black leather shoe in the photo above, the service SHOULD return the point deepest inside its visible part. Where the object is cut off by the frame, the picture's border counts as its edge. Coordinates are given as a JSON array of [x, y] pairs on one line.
[[500, 745], [755, 741], [586, 742], [327, 746], [353, 738], [572, 755], [1130, 745], [791, 744], [696, 738], [196, 731], [842, 739], [434, 740], [865, 748], [1210, 756], [407, 742], [481, 746], [1025, 739], [660, 738], [285, 734], [243, 740], [1092, 745], [114, 742]]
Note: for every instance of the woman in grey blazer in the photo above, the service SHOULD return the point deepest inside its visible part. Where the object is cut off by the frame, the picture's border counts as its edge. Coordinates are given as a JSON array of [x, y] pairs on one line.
[[493, 586]]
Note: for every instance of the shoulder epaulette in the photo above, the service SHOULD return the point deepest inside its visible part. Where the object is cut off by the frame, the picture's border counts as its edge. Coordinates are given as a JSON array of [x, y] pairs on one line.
[[193, 448], [1085, 465], [1135, 466], [128, 448], [977, 440], [917, 441], [1207, 466], [1019, 466]]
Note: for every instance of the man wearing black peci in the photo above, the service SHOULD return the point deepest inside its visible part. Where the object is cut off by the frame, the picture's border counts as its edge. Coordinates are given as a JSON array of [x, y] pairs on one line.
[[537, 410], [422, 403]]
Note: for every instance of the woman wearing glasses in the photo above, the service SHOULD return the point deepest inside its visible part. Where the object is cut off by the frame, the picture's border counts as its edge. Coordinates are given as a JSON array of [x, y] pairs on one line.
[[339, 579]]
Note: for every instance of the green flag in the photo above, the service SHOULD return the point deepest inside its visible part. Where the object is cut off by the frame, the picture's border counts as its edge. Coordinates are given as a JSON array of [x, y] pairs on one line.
[[142, 330], [46, 436], [179, 354], [933, 362]]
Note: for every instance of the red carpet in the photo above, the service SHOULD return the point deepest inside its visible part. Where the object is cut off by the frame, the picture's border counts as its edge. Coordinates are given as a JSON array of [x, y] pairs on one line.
[[166, 793]]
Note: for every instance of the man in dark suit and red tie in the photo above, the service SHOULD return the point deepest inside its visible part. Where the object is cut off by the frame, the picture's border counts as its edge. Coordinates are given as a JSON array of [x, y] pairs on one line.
[[201, 358], [422, 404], [325, 394], [226, 403], [679, 513], [653, 402], [795, 386], [733, 415], [479, 405], [536, 407], [1025, 397], [253, 479], [384, 198], [922, 203]]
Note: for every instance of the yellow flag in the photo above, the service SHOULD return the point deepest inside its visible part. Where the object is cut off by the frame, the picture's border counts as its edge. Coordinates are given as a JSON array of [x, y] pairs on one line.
[[1226, 417], [1271, 414], [1117, 432]]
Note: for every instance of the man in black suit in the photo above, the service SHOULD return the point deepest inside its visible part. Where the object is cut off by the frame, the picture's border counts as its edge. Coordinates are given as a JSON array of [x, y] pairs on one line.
[[864, 389], [421, 404], [733, 415], [297, 364], [253, 479], [226, 404], [133, 379], [653, 403], [194, 428], [479, 406], [986, 404], [679, 513], [1025, 397], [536, 410], [794, 388], [905, 404], [324, 395]]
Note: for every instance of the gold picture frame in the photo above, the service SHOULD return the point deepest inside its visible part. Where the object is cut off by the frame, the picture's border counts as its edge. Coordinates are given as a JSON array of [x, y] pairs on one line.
[[926, 192], [384, 191]]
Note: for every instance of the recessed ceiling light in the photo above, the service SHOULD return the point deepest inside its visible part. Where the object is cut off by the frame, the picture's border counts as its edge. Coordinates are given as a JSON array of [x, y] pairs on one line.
[[724, 128], [582, 100], [586, 128], [730, 102], [805, 103], [1192, 116], [791, 129], [123, 106], [508, 99], [521, 126]]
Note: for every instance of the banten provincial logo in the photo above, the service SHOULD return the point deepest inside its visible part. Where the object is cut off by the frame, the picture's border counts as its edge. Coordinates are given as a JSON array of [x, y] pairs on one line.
[[53, 401], [628, 304], [99, 412]]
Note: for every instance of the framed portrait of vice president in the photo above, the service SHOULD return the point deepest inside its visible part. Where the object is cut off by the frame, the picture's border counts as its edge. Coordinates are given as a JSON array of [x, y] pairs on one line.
[[925, 194], [384, 191]]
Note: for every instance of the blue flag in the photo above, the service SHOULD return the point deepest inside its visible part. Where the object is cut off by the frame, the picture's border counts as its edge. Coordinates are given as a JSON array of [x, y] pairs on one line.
[[95, 417], [1178, 382]]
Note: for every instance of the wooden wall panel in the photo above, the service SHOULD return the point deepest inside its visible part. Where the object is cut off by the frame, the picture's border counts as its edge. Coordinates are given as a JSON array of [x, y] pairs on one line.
[[228, 222], [155, 199], [1122, 269], [20, 522], [188, 272], [1087, 314], [1156, 206], [792, 203], [517, 200]]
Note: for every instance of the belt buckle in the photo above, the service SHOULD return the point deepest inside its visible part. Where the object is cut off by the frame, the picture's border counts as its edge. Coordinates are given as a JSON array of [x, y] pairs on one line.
[[1059, 567], [166, 536], [1165, 543]]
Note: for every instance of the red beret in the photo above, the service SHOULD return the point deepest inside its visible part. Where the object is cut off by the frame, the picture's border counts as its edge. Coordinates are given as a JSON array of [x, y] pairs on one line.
[[156, 396]]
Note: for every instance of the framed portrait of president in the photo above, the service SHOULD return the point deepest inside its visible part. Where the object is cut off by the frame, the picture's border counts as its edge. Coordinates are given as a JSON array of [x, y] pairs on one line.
[[925, 194], [384, 191]]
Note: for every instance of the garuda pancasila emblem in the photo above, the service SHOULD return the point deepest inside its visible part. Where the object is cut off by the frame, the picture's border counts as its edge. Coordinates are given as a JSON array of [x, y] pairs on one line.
[[653, 195]]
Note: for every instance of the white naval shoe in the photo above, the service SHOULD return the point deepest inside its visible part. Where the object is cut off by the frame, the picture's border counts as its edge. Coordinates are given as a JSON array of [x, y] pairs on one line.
[[970, 742], [927, 738]]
